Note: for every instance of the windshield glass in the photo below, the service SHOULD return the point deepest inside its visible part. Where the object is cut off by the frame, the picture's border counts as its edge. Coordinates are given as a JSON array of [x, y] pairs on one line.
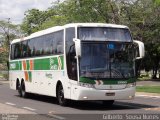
[[104, 33], [106, 60]]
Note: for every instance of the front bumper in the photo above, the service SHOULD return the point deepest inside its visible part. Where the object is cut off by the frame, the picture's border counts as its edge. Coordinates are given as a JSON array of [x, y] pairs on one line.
[[83, 93]]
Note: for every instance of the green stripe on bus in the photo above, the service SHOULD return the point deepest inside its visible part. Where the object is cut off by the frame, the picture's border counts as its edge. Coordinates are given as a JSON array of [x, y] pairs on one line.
[[20, 65], [61, 57], [51, 63]]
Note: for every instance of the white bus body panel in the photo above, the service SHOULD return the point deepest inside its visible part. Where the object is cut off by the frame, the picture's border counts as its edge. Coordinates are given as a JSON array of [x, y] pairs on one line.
[[41, 85]]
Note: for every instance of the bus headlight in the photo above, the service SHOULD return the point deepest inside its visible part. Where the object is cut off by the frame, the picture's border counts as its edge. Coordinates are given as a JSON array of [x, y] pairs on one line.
[[131, 85], [86, 85]]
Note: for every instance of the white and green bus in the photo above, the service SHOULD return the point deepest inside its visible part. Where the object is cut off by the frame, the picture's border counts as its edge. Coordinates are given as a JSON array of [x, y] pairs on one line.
[[78, 61]]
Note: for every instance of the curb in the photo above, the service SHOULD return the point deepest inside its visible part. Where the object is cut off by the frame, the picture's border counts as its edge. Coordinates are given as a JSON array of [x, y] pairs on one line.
[[146, 85], [3, 81], [147, 94]]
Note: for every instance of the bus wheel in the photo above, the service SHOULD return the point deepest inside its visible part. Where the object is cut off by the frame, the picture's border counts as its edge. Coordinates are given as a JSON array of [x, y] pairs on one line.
[[108, 103], [23, 90], [19, 89], [60, 96]]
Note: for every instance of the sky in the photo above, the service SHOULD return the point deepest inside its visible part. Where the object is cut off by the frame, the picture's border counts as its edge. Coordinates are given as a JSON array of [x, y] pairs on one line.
[[14, 9]]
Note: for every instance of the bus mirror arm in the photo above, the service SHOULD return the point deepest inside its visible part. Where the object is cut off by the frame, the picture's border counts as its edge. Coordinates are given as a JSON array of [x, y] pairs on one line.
[[77, 47], [141, 49]]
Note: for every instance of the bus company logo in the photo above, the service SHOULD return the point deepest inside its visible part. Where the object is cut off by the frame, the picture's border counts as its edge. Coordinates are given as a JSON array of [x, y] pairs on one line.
[[13, 66], [99, 82], [59, 63], [53, 66], [51, 61], [122, 82]]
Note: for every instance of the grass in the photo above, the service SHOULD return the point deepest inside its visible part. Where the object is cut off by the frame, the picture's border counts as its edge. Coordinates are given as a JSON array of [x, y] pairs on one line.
[[143, 77], [1, 75], [149, 89]]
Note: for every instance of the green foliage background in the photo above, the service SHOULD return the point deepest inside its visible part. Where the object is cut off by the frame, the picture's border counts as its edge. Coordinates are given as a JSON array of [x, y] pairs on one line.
[[141, 16]]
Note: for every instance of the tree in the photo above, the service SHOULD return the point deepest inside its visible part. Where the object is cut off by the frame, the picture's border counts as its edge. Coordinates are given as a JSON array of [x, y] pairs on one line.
[[142, 17], [8, 32], [33, 20], [71, 11]]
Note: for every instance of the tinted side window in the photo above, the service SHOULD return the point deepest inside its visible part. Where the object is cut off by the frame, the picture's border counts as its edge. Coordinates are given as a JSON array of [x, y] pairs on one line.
[[31, 45], [58, 42], [39, 46], [48, 44], [70, 34], [12, 51], [25, 49], [70, 54], [17, 51]]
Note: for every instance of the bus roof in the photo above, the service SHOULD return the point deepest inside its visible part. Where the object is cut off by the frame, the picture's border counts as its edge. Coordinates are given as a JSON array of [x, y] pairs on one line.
[[39, 33], [94, 25], [58, 28]]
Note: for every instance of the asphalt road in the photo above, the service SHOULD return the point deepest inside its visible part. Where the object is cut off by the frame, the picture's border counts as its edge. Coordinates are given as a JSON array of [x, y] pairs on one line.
[[93, 110]]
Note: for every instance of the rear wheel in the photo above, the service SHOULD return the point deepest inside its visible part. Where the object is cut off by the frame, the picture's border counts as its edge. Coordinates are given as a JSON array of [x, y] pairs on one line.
[[19, 89], [60, 96], [108, 103], [23, 92]]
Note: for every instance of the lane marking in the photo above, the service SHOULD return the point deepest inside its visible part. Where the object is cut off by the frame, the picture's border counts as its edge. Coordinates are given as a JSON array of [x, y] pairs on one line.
[[51, 113], [28, 108], [8, 103], [57, 117]]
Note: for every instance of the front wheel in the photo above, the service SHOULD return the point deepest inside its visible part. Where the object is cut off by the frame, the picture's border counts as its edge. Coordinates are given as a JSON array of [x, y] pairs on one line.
[[60, 96]]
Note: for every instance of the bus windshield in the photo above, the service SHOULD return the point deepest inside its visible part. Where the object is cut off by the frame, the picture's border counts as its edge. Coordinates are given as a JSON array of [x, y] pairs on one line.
[[104, 34], [106, 60]]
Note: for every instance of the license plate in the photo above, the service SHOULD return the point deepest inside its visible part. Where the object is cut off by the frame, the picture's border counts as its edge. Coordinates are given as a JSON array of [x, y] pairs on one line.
[[110, 94]]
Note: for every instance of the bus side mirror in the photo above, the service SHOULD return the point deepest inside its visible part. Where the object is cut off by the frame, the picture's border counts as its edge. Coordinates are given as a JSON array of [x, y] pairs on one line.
[[77, 47], [141, 49]]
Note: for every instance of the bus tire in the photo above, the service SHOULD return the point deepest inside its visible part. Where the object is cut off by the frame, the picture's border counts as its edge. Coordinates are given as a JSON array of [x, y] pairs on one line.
[[23, 92], [18, 87], [60, 95], [108, 103]]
